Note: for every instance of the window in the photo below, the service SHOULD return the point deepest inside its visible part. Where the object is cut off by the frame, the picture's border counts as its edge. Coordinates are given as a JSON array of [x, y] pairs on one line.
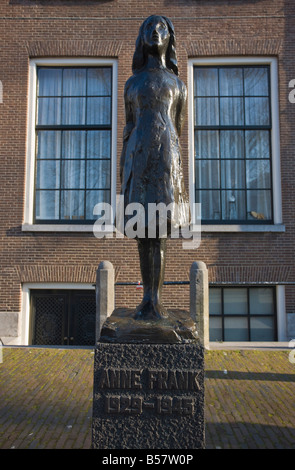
[[71, 140], [242, 314], [234, 133]]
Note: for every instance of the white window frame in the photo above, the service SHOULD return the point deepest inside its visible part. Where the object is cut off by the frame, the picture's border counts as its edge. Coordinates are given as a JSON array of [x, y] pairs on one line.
[[28, 222], [277, 225], [281, 315]]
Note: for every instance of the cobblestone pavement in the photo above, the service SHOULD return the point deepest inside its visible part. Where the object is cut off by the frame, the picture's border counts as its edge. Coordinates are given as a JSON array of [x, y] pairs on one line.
[[46, 399]]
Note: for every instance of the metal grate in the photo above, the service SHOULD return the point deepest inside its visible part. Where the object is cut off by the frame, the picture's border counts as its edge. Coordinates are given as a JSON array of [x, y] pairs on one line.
[[84, 318], [49, 318], [63, 318]]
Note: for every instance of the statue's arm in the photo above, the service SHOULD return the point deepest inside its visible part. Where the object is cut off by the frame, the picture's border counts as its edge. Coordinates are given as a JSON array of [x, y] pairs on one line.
[[181, 108], [129, 118]]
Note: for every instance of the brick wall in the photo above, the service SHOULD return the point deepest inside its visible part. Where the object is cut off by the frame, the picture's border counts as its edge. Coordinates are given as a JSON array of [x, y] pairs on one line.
[[52, 28]]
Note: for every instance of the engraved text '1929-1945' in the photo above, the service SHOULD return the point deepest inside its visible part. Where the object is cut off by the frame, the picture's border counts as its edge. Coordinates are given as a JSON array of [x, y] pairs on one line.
[[149, 380]]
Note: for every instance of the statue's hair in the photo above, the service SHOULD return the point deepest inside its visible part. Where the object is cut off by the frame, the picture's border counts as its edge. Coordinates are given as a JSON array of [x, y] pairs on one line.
[[139, 57]]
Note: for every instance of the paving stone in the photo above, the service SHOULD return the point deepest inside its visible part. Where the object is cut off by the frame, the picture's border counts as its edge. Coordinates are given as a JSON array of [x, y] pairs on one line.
[[44, 390]]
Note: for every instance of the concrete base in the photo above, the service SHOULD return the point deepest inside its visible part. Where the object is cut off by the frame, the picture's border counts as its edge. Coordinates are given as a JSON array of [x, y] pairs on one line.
[[148, 396], [291, 325], [11, 341], [9, 327], [266, 345]]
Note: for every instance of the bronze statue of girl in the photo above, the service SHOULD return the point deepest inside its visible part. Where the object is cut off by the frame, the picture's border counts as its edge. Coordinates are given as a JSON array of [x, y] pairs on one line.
[[150, 167]]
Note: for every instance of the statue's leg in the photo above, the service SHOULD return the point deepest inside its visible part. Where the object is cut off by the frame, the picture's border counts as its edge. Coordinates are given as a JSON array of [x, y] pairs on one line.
[[152, 254], [144, 260], [158, 269]]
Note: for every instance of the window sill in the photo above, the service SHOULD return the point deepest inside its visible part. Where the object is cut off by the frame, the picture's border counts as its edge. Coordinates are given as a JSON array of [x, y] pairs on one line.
[[204, 228], [57, 228], [243, 228]]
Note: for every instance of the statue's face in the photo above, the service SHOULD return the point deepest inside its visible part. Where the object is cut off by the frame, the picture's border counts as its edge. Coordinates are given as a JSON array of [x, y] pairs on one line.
[[156, 34]]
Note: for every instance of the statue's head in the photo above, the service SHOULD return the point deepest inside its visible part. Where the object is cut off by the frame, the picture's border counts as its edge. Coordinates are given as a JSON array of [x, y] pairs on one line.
[[166, 32]]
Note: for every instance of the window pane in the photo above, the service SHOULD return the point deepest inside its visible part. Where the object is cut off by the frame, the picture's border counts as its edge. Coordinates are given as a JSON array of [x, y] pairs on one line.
[[49, 82], [242, 99], [99, 81], [74, 82], [258, 174], [207, 174], [48, 174], [206, 111], [93, 198], [231, 82], [98, 144], [47, 205], [215, 329], [215, 307], [257, 111], [232, 174], [231, 144], [233, 205], [73, 144], [235, 301], [73, 174], [98, 174], [73, 111], [72, 205], [236, 329], [257, 144], [49, 111], [98, 110], [62, 100], [234, 314], [206, 144], [259, 205], [256, 81], [262, 329], [261, 301], [210, 204], [48, 144], [231, 111], [206, 82]]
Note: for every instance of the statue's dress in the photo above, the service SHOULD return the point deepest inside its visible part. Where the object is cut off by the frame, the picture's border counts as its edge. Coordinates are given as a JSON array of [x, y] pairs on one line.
[[151, 167]]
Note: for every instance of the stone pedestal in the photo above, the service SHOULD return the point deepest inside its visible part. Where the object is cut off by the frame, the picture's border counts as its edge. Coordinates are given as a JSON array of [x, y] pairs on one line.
[[148, 396]]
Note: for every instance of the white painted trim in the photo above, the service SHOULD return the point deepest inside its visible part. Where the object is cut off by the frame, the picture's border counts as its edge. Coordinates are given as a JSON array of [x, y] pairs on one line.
[[31, 134], [275, 143], [114, 134], [25, 316], [59, 285], [191, 143], [281, 313], [31, 138], [275, 132]]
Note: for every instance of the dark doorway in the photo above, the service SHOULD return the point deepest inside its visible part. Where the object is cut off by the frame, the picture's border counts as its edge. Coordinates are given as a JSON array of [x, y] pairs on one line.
[[63, 317]]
